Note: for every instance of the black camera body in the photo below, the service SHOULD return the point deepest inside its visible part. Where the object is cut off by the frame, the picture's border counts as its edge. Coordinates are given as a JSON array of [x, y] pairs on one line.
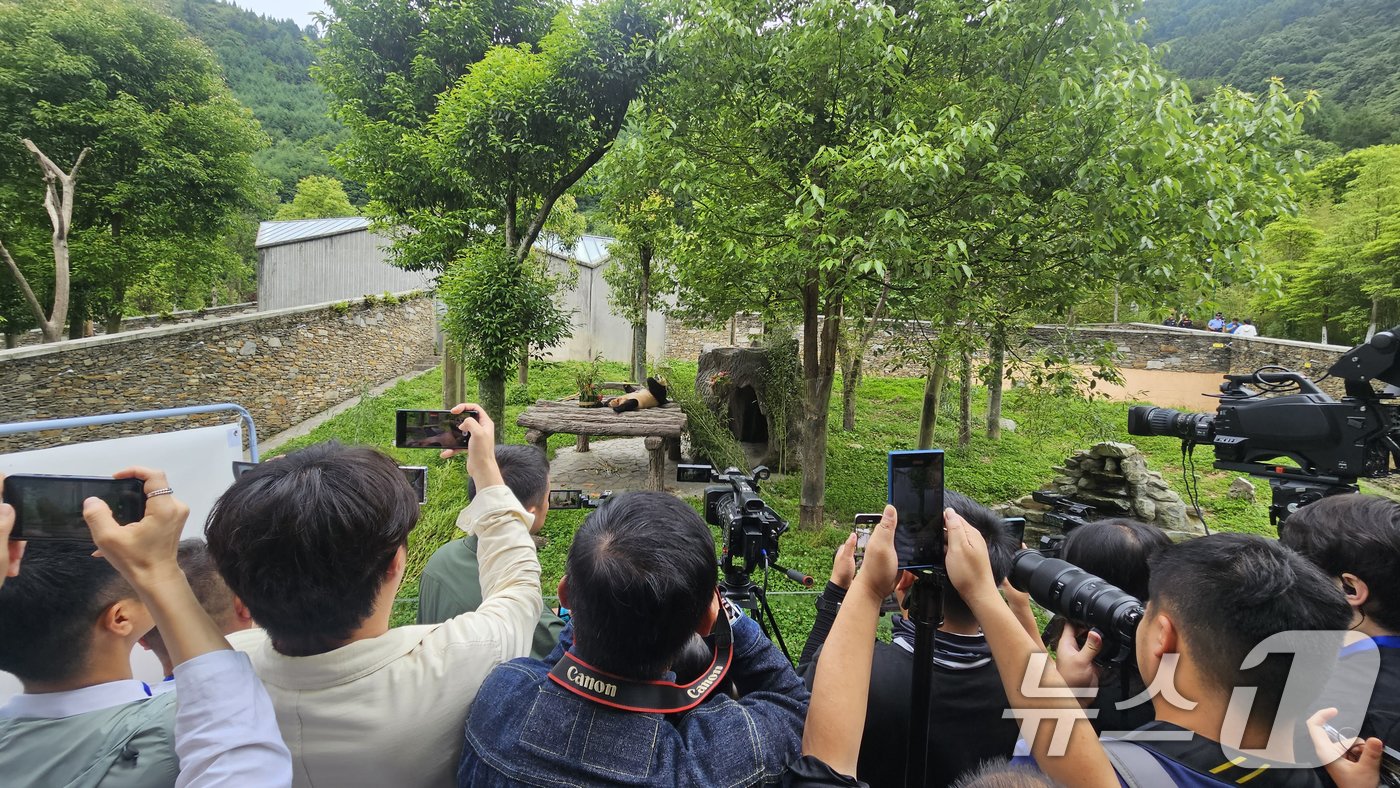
[[751, 528], [1085, 599], [1334, 442]]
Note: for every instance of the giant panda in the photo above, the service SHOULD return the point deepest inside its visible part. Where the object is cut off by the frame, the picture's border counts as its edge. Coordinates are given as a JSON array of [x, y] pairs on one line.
[[652, 396]]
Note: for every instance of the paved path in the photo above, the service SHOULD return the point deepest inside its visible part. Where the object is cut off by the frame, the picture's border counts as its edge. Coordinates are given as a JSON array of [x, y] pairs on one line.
[[616, 464]]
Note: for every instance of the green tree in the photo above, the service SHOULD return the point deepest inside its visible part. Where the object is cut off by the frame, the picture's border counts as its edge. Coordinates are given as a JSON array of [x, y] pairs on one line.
[[170, 173], [522, 99], [1007, 161], [317, 197]]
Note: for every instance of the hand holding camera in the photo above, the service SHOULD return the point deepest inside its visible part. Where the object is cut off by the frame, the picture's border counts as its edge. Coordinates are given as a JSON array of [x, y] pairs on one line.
[[143, 551], [879, 572]]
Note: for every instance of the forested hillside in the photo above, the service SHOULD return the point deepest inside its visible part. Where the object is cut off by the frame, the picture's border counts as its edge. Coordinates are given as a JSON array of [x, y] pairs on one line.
[[267, 63], [1348, 50]]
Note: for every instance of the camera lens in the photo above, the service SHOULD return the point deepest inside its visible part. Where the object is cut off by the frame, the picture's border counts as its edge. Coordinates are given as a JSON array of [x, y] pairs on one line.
[[1149, 420], [1085, 599]]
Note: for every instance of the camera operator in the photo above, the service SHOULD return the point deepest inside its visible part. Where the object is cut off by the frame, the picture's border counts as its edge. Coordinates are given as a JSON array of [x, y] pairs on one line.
[[1355, 540], [1210, 602], [89, 724], [214, 597], [315, 545], [966, 710], [640, 582], [1118, 551], [451, 580]]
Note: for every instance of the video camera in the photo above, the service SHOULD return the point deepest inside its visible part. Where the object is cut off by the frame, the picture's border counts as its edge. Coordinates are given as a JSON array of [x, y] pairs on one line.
[[1333, 442], [577, 499], [751, 527], [1065, 514], [1086, 600]]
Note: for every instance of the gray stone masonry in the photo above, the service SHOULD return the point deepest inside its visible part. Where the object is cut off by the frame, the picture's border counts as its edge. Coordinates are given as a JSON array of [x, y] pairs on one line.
[[1113, 478], [283, 366]]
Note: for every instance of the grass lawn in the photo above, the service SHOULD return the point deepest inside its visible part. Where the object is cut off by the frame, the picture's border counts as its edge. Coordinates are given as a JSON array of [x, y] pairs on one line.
[[1048, 430]]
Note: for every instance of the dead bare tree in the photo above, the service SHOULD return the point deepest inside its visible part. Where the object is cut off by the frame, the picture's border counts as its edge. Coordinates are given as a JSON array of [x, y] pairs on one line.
[[58, 201]]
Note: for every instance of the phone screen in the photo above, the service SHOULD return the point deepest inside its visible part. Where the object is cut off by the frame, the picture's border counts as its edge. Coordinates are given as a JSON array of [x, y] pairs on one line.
[[565, 499], [51, 507], [417, 476], [916, 491], [1016, 526], [430, 429]]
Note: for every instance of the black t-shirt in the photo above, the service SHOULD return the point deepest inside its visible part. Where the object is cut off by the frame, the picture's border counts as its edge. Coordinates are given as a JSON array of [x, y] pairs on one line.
[[1383, 715], [1212, 761], [966, 726]]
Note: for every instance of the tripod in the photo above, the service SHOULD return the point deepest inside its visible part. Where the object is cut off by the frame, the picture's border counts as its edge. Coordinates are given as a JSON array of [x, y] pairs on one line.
[[926, 611], [745, 594]]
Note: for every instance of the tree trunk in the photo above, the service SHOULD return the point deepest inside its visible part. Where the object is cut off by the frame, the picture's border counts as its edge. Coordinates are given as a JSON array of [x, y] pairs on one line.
[[965, 402], [851, 370], [1375, 319], [58, 203], [639, 328], [491, 395], [113, 323], [933, 395], [994, 381], [11, 340], [1116, 299], [523, 378], [819, 372], [452, 393]]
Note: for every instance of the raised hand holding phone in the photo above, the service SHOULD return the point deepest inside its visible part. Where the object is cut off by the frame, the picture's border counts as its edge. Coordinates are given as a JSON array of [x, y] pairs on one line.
[[481, 457]]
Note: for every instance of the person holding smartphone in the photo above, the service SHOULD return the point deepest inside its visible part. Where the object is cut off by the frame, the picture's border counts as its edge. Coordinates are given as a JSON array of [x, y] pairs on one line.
[[82, 718], [968, 700]]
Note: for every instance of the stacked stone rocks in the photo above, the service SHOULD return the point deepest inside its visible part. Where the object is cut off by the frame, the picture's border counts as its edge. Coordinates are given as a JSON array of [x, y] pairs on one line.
[[1114, 479]]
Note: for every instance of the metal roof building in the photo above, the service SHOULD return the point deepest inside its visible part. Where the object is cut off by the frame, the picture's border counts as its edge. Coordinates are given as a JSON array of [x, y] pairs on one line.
[[312, 261]]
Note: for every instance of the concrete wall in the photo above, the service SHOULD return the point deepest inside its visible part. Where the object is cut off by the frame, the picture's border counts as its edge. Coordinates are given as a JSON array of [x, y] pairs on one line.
[[283, 366], [334, 268], [597, 330]]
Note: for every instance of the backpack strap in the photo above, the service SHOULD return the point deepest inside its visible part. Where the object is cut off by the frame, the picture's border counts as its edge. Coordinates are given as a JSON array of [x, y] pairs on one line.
[[1136, 767]]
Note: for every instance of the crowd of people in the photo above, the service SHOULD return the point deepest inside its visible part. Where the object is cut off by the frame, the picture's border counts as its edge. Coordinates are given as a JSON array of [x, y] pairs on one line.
[[284, 670], [1217, 324]]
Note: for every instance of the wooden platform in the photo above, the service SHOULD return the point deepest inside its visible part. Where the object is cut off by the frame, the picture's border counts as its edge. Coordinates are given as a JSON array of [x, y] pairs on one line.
[[661, 427]]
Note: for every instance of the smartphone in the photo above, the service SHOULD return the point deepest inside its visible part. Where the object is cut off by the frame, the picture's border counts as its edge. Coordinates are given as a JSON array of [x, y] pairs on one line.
[[51, 507], [916, 492], [1016, 526], [417, 476], [864, 524], [566, 499], [431, 429], [241, 467]]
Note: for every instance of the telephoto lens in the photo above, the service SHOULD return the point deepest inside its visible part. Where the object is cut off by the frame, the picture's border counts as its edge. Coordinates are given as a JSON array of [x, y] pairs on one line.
[[1149, 420], [1085, 599]]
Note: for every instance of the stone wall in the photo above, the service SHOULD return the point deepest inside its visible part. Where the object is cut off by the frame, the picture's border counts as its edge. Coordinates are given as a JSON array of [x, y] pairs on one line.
[[33, 337], [283, 366], [1140, 346]]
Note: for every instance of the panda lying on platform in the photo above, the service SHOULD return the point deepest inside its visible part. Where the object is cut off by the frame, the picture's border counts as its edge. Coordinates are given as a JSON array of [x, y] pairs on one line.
[[653, 396]]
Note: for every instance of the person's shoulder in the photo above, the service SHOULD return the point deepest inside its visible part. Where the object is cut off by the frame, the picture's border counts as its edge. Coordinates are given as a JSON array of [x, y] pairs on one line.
[[248, 640], [453, 554]]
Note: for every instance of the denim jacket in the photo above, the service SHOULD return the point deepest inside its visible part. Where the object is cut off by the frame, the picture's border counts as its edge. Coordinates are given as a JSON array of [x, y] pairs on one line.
[[525, 729]]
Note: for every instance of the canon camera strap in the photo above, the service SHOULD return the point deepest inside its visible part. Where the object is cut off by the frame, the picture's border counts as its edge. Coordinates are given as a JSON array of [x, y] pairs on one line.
[[659, 697]]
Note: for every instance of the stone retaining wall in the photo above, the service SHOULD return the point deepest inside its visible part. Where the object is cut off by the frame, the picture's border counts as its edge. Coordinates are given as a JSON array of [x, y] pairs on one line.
[[283, 366], [33, 337], [1140, 346]]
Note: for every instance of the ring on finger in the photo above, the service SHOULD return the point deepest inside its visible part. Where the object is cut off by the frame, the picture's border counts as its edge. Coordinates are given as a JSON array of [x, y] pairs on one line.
[[160, 492]]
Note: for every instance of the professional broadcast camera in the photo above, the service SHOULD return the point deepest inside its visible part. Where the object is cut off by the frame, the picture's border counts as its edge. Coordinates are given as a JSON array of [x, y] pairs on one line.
[[1333, 442], [1063, 588], [751, 529]]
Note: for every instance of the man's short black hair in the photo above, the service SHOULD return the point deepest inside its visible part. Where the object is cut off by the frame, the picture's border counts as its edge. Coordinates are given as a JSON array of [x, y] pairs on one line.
[[307, 541], [1001, 546], [641, 573], [47, 613], [1226, 593], [1355, 533], [1117, 550], [525, 470], [208, 585]]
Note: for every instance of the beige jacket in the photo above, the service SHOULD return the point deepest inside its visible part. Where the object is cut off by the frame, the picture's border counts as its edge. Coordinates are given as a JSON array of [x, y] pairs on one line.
[[390, 711]]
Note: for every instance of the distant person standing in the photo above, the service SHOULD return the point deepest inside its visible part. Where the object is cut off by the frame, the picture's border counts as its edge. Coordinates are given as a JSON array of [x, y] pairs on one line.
[[1217, 323], [1185, 321], [1247, 329], [1231, 326]]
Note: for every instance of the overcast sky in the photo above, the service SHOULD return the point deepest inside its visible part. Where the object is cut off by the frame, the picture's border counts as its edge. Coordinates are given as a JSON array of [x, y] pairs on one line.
[[299, 11]]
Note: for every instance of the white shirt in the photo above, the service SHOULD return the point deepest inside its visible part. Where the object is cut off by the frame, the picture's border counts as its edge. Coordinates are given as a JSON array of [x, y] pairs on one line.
[[1246, 330], [225, 730], [391, 710], [70, 703]]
